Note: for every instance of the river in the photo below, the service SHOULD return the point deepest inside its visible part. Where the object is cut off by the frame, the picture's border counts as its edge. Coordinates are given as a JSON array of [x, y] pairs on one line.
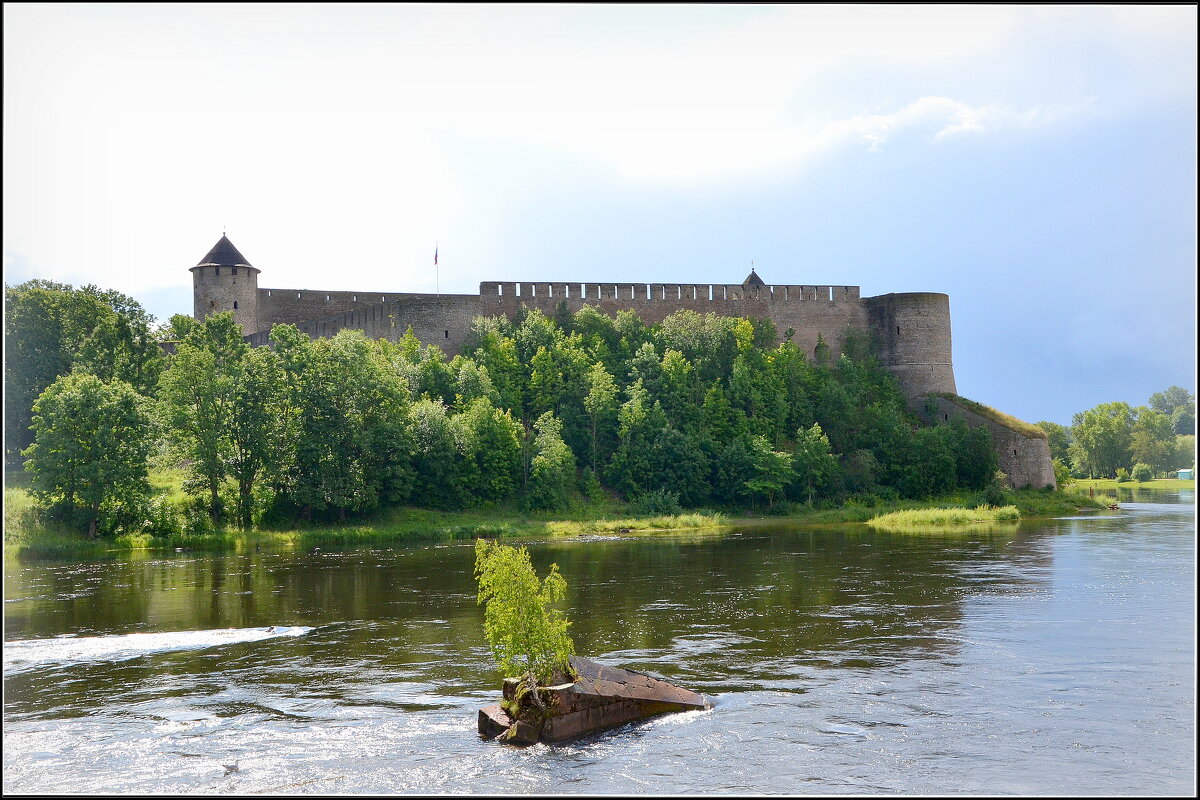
[[1057, 658]]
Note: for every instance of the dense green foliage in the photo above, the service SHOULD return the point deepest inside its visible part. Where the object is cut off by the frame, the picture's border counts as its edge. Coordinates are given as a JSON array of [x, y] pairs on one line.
[[92, 443], [51, 328], [1110, 437], [698, 411], [526, 635]]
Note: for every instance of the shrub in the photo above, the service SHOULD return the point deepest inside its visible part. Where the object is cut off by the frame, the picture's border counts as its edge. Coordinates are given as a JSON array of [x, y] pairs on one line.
[[996, 493], [1123, 475], [1062, 474], [1143, 472], [590, 486], [527, 637], [658, 503]]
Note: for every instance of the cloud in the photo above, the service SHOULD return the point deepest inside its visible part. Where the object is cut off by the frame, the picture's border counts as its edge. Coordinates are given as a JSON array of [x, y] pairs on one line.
[[364, 132]]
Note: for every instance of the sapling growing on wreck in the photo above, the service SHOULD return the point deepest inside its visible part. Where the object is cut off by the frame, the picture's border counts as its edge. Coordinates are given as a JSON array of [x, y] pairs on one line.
[[528, 638]]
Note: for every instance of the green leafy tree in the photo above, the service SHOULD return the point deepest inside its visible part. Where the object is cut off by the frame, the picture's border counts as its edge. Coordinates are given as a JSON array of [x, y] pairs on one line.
[[45, 327], [495, 449], [772, 469], [1062, 474], [436, 456], [601, 406], [813, 465], [679, 391], [527, 636], [1180, 405], [491, 345], [472, 383], [633, 467], [1101, 439], [928, 465], [91, 443], [975, 460], [552, 469], [1059, 439], [1152, 439], [258, 433], [680, 466], [1185, 452], [197, 397]]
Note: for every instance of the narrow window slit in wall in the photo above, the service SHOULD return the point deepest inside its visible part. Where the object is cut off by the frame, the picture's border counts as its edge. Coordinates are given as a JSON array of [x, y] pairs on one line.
[[235, 305], [233, 270], [447, 334]]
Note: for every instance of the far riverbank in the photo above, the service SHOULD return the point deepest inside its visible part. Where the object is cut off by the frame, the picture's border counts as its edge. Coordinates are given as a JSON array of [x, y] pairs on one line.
[[24, 536], [1107, 484]]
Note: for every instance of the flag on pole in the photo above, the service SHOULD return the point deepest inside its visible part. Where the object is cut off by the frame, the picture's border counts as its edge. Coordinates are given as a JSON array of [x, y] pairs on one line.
[[435, 255]]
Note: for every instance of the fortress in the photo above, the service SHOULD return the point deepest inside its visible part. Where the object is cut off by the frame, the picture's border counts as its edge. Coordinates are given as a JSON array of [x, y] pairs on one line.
[[911, 331]]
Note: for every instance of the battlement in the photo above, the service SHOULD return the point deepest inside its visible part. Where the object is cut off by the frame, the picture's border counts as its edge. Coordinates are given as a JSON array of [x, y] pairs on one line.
[[540, 292]]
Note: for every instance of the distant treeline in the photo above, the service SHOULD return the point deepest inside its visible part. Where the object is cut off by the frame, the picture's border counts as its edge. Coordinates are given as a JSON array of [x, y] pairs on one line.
[[698, 411], [1116, 440]]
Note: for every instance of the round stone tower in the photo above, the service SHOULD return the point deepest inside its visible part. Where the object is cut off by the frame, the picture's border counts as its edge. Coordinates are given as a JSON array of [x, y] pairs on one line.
[[225, 281], [913, 334]]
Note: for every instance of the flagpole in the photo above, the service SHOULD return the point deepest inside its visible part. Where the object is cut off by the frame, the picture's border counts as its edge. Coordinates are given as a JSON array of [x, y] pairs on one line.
[[437, 271]]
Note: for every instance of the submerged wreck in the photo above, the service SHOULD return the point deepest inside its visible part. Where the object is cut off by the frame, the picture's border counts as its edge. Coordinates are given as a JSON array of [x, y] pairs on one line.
[[598, 697]]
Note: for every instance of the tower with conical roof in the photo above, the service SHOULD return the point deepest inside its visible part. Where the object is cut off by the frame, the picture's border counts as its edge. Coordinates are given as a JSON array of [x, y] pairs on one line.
[[225, 281]]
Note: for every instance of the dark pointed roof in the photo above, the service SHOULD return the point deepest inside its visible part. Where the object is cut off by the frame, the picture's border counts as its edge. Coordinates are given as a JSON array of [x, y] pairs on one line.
[[224, 254], [753, 280]]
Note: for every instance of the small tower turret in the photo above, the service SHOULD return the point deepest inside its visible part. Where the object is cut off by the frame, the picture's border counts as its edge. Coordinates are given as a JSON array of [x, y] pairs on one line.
[[225, 281]]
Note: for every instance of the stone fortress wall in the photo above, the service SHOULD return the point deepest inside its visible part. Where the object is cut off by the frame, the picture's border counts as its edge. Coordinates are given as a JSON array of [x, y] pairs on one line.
[[911, 330]]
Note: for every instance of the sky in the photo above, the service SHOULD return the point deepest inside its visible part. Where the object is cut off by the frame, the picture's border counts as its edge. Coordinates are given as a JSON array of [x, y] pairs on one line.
[[1036, 163]]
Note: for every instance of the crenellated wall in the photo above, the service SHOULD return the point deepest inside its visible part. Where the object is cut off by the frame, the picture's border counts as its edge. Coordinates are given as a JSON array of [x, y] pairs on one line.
[[806, 310], [443, 320], [912, 330]]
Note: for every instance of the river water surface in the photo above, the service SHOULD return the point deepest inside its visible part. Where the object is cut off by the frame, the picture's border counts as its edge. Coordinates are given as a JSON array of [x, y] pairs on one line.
[[1054, 659]]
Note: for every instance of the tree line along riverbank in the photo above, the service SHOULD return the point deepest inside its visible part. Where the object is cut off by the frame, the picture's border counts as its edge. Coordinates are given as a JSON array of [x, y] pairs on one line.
[[27, 533], [571, 417]]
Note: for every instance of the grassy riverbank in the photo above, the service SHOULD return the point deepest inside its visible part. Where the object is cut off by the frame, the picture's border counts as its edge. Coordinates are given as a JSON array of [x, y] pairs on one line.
[[1108, 484], [26, 534], [939, 517]]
